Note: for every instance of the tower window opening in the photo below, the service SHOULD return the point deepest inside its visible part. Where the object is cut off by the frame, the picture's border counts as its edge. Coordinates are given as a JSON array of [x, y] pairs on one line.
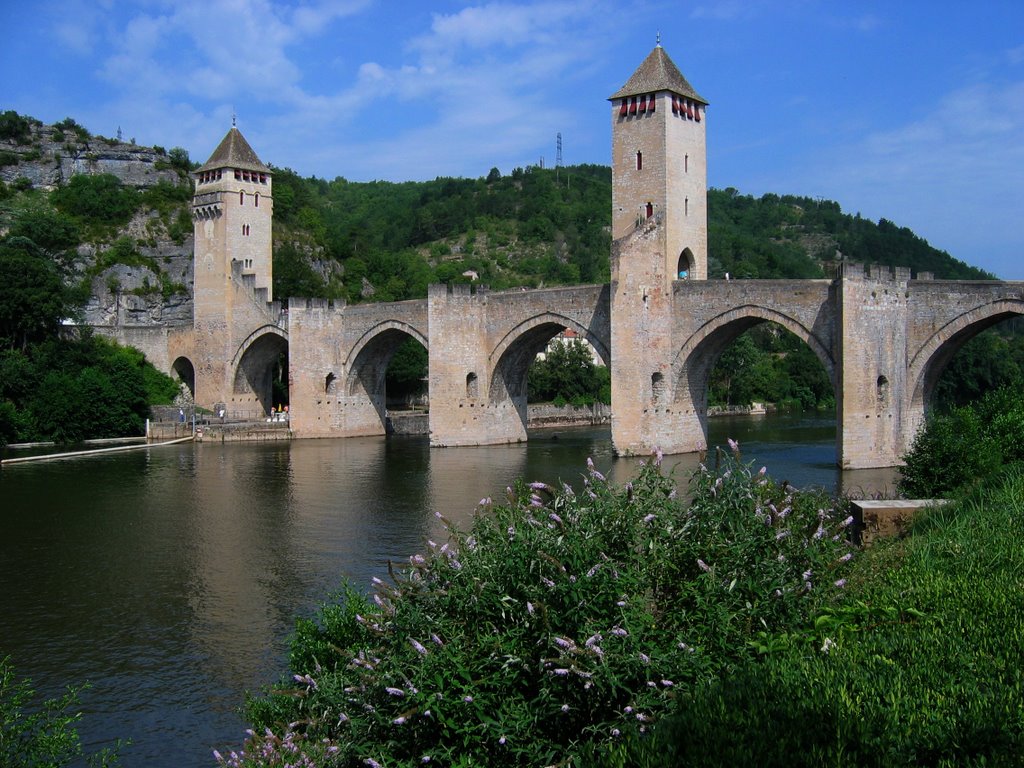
[[650, 103], [241, 197], [658, 387], [472, 386], [686, 163], [632, 106], [650, 210], [256, 200], [238, 174], [639, 161], [686, 206]]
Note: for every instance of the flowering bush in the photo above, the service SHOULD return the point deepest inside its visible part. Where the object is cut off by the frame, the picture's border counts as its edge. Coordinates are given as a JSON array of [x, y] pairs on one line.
[[560, 621]]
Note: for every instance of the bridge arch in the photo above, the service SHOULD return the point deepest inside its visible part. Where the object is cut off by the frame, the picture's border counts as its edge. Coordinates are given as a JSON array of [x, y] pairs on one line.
[[367, 363], [510, 359], [186, 373], [932, 357], [695, 360], [253, 366]]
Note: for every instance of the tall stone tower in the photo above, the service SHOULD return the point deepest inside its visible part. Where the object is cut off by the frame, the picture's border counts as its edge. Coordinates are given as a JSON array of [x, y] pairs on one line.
[[232, 211], [659, 165], [659, 246]]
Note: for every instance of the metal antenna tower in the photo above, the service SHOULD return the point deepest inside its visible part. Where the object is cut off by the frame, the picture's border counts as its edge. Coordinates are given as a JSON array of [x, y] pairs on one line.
[[558, 150]]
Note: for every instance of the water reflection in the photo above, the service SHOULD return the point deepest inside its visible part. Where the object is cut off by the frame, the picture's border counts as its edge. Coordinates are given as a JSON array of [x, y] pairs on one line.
[[171, 579]]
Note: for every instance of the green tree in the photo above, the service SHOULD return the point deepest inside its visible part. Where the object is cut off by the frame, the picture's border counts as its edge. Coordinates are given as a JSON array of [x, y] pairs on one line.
[[100, 199], [33, 300], [567, 373]]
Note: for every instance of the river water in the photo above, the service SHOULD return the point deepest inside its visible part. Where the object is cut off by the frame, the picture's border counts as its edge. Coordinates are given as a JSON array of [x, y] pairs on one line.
[[170, 579]]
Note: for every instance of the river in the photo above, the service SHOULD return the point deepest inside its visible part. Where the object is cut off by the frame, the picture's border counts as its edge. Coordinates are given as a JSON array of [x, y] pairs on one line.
[[170, 579]]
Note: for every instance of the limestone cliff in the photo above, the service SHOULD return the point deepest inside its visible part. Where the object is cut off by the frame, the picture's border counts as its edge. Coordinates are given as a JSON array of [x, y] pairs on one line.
[[155, 286]]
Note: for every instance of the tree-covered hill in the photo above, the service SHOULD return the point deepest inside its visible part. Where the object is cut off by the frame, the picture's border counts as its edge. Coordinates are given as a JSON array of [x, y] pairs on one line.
[[386, 241]]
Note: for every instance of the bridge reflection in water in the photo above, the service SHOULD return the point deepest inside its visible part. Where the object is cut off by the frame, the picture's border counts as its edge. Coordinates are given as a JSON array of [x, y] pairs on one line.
[[170, 579]]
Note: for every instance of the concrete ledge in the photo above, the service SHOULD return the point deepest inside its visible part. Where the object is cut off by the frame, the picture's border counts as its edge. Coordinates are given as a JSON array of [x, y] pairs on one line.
[[881, 518]]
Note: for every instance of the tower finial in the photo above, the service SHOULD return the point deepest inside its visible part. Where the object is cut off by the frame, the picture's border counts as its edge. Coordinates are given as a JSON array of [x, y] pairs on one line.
[[234, 119], [659, 38]]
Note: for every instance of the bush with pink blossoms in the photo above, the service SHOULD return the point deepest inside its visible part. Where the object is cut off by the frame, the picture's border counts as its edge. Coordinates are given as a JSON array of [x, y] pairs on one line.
[[561, 621]]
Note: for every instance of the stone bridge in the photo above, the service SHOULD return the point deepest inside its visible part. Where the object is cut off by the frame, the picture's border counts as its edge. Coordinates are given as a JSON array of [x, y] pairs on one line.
[[882, 336], [480, 345]]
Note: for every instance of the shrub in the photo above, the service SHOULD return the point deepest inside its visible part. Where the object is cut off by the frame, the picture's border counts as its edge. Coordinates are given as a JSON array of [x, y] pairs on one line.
[[14, 127], [561, 621], [966, 446], [100, 199], [40, 735]]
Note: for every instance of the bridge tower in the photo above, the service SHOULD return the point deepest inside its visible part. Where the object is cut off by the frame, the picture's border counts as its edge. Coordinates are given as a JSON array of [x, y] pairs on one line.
[[232, 211], [659, 165], [659, 248]]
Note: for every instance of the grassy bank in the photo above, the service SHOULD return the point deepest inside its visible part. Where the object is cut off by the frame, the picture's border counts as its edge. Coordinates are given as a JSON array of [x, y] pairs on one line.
[[919, 663]]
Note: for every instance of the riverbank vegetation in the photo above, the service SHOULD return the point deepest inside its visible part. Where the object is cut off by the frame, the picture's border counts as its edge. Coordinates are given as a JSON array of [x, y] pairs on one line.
[[966, 446], [58, 381], [38, 733], [619, 627]]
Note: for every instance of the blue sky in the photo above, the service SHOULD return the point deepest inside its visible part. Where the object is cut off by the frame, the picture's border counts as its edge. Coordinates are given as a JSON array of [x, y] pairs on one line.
[[909, 110]]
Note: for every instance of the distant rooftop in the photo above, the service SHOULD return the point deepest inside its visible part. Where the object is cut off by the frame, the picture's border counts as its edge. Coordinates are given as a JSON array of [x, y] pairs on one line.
[[658, 73], [234, 152]]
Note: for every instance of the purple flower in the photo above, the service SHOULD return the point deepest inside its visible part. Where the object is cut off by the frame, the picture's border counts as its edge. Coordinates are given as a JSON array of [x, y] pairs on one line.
[[645, 658], [417, 646], [398, 720], [371, 762], [702, 565], [502, 741], [619, 632], [840, 583], [733, 445], [649, 518], [556, 518], [596, 638], [468, 699], [667, 683], [485, 501], [560, 671], [529, 608], [564, 642], [846, 522], [436, 639], [845, 558], [395, 691], [565, 707]]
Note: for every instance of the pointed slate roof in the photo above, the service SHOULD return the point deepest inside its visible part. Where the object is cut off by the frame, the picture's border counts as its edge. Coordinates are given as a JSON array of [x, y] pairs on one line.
[[234, 152], [657, 73]]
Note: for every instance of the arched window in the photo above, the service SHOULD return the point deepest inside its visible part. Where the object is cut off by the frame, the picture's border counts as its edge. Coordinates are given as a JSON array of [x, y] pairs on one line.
[[639, 161], [241, 197], [256, 199], [650, 210], [686, 163], [472, 386]]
